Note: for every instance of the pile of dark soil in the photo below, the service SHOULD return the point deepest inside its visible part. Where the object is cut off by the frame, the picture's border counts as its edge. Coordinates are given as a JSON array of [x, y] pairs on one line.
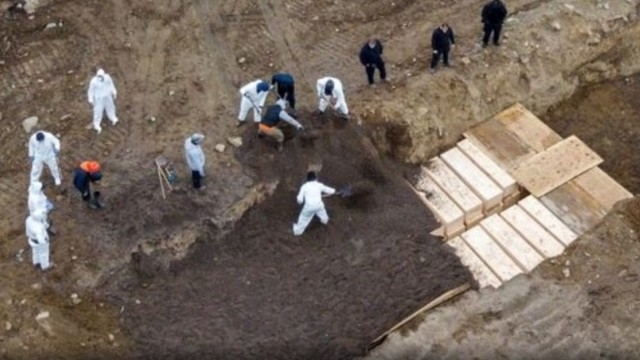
[[261, 293]]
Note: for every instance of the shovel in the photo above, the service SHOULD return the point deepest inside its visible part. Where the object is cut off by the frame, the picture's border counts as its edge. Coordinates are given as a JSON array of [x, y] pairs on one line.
[[356, 189], [345, 191]]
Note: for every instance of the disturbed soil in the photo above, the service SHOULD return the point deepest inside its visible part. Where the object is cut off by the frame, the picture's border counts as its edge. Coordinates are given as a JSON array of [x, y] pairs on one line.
[[581, 305], [260, 292], [196, 273]]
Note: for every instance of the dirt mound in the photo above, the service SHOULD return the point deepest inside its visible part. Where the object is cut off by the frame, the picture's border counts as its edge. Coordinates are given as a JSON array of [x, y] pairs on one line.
[[261, 293]]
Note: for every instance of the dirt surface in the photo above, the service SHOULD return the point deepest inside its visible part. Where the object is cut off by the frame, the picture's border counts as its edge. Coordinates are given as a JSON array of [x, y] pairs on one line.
[[592, 312], [607, 117], [260, 292], [177, 66]]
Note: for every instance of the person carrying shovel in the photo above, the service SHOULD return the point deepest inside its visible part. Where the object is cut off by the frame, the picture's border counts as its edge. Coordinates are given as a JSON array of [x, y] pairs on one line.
[[88, 172], [254, 94], [330, 91], [310, 196]]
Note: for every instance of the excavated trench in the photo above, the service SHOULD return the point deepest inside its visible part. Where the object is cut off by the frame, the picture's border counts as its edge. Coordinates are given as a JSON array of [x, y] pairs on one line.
[[256, 291]]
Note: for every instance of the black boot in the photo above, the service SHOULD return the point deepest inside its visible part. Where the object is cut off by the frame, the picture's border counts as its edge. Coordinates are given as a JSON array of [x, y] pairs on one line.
[[98, 200]]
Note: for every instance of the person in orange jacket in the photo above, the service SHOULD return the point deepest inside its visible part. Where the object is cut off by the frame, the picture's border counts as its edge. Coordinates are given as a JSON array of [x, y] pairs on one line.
[[88, 172]]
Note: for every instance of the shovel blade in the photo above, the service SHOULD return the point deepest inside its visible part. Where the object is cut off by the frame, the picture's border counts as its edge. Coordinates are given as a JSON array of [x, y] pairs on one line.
[[345, 191]]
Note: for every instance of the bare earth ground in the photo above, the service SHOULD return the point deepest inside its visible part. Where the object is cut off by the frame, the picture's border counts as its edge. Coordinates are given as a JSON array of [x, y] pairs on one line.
[[590, 314], [260, 292], [177, 65]]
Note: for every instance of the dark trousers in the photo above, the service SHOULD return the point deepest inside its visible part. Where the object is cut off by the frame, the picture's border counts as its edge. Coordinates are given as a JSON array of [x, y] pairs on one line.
[[196, 178], [287, 92], [371, 69], [444, 53], [492, 28]]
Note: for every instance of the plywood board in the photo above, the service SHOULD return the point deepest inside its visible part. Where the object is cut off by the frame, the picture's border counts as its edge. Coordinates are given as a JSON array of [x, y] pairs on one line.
[[480, 271], [490, 193], [546, 244], [555, 166], [491, 254], [451, 294], [500, 176], [512, 243], [531, 130], [445, 210], [548, 220], [602, 187], [455, 188], [575, 207], [499, 143]]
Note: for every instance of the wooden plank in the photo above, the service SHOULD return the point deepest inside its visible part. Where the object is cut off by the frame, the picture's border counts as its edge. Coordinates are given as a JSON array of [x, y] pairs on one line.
[[431, 305], [546, 218], [575, 207], [491, 253], [531, 130], [546, 244], [455, 188], [602, 187], [511, 200], [489, 167], [478, 181], [445, 210], [555, 166], [503, 146], [480, 271], [512, 243], [495, 210]]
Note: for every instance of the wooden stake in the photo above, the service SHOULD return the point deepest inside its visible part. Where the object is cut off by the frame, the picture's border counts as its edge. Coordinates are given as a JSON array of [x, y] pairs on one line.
[[160, 177], [438, 301], [164, 176]]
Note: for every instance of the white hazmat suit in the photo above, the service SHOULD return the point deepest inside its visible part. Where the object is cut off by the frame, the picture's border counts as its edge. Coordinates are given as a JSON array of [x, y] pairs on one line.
[[254, 95], [38, 239], [37, 199], [44, 151], [337, 95], [194, 154], [311, 196], [102, 94]]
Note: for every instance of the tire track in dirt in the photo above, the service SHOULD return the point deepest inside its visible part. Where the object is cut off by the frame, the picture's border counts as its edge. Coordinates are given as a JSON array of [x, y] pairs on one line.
[[25, 81], [13, 197], [28, 78], [338, 56], [212, 25], [285, 40]]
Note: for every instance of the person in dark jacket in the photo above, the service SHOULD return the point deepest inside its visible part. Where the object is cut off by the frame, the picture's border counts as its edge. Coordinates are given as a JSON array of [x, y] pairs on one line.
[[285, 87], [371, 58], [493, 15], [441, 42], [83, 176], [269, 125]]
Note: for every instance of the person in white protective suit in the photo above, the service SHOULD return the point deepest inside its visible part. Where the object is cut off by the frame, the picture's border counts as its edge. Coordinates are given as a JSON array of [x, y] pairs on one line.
[[311, 196], [254, 94], [44, 148], [330, 92], [38, 201], [102, 95], [195, 159], [38, 239]]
